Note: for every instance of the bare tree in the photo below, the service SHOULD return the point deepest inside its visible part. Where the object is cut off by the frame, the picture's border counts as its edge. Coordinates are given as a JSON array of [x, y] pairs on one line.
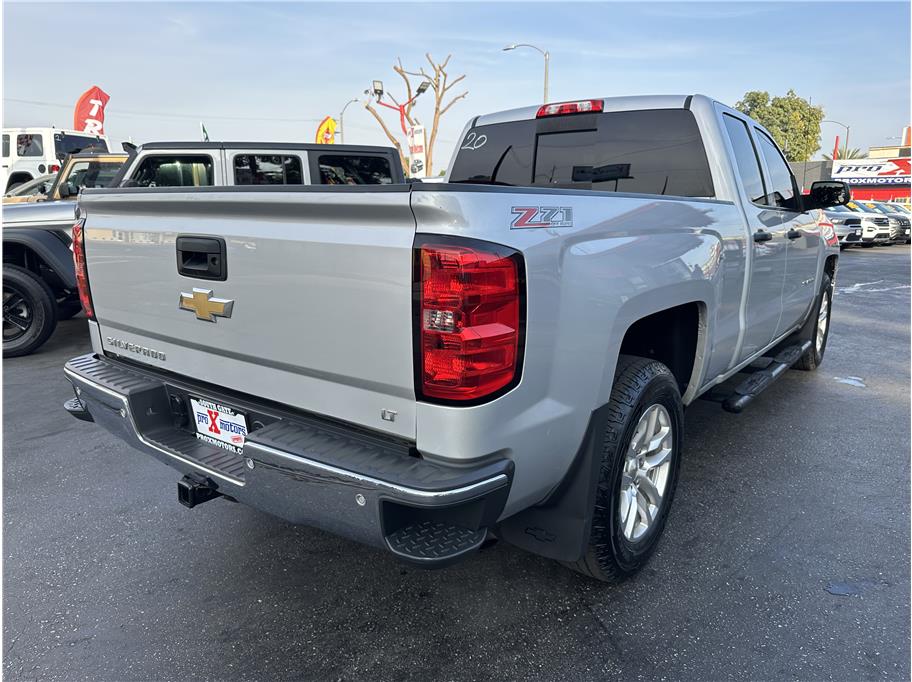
[[439, 82]]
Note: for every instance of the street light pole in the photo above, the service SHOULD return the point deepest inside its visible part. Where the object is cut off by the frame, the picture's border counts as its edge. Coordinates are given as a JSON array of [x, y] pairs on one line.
[[544, 53], [341, 126], [846, 129]]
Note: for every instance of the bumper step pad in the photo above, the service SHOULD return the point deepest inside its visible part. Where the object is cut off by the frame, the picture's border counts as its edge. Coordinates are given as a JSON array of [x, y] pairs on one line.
[[433, 542]]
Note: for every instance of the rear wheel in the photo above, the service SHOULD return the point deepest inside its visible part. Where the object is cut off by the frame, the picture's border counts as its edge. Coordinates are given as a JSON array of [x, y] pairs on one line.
[[641, 445], [29, 311]]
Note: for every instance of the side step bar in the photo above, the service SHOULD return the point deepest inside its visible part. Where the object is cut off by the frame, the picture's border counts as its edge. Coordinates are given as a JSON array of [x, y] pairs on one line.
[[759, 380]]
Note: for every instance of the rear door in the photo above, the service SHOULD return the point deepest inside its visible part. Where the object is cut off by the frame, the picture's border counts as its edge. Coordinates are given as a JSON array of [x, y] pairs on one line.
[[768, 240], [802, 235], [319, 285]]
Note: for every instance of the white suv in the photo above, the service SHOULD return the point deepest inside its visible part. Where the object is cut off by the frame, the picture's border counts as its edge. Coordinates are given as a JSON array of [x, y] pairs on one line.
[[30, 152]]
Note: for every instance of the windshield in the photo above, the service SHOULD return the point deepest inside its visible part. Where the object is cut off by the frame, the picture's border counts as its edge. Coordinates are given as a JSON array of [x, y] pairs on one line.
[[91, 173], [874, 208], [858, 208], [899, 208], [839, 209]]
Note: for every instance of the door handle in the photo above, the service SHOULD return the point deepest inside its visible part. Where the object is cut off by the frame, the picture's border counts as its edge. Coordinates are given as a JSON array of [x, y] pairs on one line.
[[762, 236], [202, 257], [793, 234]]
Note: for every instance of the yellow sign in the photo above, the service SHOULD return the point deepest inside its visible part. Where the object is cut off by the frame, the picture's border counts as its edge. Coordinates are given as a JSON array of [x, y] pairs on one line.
[[326, 131]]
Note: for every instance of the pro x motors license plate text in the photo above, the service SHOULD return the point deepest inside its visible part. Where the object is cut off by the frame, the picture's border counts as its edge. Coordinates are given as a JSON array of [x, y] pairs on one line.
[[219, 425]]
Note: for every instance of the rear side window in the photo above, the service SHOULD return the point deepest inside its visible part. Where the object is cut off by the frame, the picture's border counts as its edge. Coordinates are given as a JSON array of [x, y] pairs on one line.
[[748, 165], [173, 171], [257, 169], [349, 169], [6, 146], [71, 144], [644, 152], [29, 145], [782, 192]]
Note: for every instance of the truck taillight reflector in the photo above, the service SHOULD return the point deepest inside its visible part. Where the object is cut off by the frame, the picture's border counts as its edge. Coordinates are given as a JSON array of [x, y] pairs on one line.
[[585, 106], [469, 320], [82, 272]]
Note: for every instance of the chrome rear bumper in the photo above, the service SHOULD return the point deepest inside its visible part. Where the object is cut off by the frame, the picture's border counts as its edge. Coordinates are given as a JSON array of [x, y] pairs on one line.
[[302, 468]]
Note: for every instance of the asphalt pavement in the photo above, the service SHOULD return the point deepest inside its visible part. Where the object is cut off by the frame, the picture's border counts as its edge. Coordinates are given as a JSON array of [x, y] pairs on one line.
[[786, 555]]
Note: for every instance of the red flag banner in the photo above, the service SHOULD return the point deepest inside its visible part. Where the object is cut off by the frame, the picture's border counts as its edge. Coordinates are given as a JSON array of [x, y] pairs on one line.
[[90, 108]]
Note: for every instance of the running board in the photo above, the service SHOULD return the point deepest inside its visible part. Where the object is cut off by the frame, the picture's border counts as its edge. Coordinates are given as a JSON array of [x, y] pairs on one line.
[[759, 380]]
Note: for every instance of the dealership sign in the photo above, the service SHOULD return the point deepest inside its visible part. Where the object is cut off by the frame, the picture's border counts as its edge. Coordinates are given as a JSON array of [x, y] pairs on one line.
[[873, 172]]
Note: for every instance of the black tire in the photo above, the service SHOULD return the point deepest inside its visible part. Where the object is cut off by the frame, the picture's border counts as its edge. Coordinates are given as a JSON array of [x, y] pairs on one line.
[[68, 308], [639, 383], [27, 301], [814, 356]]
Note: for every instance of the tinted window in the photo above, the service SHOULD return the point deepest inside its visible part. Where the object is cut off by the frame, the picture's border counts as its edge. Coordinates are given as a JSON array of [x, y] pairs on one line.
[[6, 146], [29, 145], [256, 169], [173, 171], [745, 158], [70, 144], [646, 152], [782, 191], [338, 169]]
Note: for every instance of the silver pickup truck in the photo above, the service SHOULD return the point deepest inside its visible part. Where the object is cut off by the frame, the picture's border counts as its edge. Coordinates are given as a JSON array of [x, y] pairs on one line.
[[504, 355]]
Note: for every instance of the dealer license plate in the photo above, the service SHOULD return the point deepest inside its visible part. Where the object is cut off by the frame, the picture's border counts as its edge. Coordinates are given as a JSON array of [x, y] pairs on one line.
[[219, 425]]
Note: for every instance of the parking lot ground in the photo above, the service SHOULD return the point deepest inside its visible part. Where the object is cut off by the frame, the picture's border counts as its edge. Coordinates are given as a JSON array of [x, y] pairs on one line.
[[786, 555]]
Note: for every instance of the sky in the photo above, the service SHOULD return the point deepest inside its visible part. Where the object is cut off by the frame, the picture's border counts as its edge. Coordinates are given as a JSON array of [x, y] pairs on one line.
[[272, 71]]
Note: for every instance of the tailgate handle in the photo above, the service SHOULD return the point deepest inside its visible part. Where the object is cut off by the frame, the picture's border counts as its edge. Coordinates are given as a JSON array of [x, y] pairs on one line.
[[202, 257]]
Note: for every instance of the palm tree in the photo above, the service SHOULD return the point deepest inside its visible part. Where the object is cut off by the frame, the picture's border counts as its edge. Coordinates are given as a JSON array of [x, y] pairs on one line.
[[847, 154]]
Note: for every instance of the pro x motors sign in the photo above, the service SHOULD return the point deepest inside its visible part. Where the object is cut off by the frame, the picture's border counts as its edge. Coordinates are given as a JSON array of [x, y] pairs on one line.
[[873, 172]]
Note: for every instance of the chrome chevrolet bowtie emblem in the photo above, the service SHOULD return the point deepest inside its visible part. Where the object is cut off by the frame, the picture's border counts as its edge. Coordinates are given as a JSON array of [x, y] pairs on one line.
[[205, 307]]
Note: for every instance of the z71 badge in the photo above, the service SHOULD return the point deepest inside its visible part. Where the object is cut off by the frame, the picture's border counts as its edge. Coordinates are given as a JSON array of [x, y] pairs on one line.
[[541, 216]]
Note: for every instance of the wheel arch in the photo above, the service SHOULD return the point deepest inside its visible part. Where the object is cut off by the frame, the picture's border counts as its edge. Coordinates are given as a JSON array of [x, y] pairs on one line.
[[18, 177], [40, 252], [654, 326]]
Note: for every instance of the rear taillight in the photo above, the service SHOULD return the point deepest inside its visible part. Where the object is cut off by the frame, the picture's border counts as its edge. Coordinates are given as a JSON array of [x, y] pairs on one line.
[[585, 106], [470, 300], [53, 168], [82, 271]]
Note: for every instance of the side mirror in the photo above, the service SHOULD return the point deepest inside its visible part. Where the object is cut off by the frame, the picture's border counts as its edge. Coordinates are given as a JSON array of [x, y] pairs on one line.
[[827, 193], [64, 190]]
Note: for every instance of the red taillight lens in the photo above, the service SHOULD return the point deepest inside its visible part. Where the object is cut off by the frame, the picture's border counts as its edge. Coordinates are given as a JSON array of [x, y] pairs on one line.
[[82, 272], [470, 313], [585, 106], [53, 168]]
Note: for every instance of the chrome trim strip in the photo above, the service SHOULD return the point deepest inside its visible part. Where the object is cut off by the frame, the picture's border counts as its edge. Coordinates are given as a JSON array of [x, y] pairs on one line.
[[126, 403], [482, 486]]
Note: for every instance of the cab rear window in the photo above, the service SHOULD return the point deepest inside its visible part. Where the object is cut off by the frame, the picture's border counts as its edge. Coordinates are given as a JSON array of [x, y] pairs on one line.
[[644, 152]]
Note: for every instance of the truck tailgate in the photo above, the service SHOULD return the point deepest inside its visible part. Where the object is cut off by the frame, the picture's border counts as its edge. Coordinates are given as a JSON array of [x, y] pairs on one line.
[[321, 285]]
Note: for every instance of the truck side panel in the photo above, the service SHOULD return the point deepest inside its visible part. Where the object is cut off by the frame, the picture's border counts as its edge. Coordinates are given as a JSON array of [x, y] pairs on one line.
[[621, 259]]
